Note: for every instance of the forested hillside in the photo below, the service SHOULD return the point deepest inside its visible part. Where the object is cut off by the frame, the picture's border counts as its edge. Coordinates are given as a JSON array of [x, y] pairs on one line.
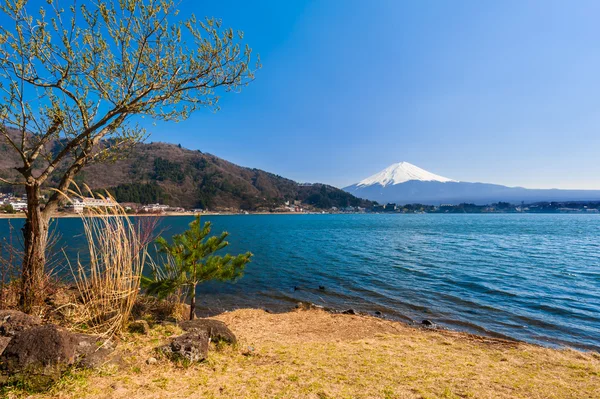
[[168, 173]]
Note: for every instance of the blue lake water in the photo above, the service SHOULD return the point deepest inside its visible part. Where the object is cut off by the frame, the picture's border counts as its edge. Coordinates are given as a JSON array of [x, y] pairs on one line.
[[530, 277]]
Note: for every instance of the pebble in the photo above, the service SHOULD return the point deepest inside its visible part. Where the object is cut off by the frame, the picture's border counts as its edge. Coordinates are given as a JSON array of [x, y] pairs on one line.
[[151, 361], [428, 323]]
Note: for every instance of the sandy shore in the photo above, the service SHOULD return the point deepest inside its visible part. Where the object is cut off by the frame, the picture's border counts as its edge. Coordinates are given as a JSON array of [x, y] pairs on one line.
[[316, 354]]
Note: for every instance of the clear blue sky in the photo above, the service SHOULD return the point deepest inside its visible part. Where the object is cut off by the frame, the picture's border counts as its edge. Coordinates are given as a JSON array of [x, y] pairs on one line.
[[496, 91]]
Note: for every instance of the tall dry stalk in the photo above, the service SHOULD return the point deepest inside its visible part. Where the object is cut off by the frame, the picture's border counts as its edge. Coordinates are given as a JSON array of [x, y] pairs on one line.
[[109, 281]]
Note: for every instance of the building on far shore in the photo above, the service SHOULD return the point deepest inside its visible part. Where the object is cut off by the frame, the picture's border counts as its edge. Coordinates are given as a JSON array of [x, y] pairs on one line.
[[378, 208], [78, 205], [18, 204], [155, 208], [391, 207]]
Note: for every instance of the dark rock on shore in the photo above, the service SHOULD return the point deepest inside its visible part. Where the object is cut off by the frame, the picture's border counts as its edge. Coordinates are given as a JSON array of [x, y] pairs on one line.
[[216, 330], [192, 346], [429, 324], [377, 313], [349, 311], [37, 357], [13, 322]]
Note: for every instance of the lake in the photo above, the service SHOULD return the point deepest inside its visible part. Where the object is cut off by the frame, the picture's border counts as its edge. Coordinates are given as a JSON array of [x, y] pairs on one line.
[[529, 277]]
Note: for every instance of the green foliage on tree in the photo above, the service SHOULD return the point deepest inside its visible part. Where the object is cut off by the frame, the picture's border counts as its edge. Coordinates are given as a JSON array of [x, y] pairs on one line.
[[190, 260], [80, 73], [8, 208]]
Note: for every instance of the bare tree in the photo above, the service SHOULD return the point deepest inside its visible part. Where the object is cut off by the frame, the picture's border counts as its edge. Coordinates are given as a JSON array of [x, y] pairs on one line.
[[73, 79]]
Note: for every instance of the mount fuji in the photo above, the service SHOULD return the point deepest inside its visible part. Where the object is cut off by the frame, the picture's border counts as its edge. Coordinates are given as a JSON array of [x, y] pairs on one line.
[[405, 183]]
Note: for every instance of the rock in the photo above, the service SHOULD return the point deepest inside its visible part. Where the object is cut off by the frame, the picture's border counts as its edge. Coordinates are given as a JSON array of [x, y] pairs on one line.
[[91, 351], [377, 313], [349, 311], [37, 357], [13, 322], [249, 351], [217, 330], [428, 323], [139, 327], [308, 306], [322, 287], [151, 361], [192, 346], [4, 343]]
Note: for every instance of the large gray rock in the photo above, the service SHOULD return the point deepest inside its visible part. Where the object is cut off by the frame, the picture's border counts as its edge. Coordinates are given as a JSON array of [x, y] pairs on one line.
[[217, 330], [92, 351], [13, 322], [191, 346], [37, 357]]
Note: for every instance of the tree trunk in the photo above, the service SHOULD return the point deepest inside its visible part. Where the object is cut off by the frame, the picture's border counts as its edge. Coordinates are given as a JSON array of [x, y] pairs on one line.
[[35, 234], [193, 303]]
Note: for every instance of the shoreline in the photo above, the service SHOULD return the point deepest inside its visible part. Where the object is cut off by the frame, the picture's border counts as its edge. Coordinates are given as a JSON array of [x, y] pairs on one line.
[[168, 214], [283, 297], [425, 324], [61, 215]]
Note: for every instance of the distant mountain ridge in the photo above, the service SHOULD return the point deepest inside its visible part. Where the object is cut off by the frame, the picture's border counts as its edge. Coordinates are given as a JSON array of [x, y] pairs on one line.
[[404, 183], [168, 173]]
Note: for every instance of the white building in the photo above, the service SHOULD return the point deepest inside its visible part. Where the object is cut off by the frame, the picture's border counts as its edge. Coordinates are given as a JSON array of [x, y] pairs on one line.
[[79, 204], [155, 208], [17, 204]]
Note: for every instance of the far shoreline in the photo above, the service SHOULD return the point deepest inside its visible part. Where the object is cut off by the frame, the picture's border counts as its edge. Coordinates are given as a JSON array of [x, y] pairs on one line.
[[62, 215]]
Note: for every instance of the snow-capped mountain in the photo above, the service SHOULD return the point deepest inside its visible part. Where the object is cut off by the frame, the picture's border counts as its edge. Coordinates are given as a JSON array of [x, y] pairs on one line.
[[401, 172], [404, 183]]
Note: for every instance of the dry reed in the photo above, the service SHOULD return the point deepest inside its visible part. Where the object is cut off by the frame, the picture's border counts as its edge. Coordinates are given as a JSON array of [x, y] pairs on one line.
[[109, 281]]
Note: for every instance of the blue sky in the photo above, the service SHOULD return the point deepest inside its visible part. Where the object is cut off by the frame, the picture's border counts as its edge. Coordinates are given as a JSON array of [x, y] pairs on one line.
[[504, 92]]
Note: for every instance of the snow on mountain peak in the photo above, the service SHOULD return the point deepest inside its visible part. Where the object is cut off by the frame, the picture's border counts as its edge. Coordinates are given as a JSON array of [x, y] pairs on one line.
[[400, 173]]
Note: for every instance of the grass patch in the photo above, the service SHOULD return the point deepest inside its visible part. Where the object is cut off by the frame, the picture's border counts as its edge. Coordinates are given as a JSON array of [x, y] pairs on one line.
[[314, 354]]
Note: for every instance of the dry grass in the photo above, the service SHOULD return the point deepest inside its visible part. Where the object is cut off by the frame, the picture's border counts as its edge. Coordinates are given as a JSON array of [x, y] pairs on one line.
[[155, 310], [109, 282], [314, 354]]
